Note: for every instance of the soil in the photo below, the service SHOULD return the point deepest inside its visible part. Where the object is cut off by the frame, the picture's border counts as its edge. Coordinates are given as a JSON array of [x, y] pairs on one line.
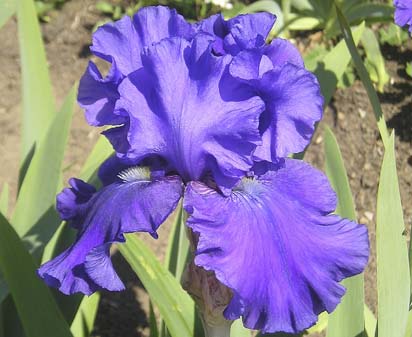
[[350, 116]]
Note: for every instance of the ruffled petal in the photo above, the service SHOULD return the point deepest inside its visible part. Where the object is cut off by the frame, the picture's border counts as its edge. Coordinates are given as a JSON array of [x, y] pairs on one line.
[[133, 203], [98, 95], [239, 33], [274, 242], [125, 39], [403, 13], [281, 51], [182, 111], [292, 97], [121, 43]]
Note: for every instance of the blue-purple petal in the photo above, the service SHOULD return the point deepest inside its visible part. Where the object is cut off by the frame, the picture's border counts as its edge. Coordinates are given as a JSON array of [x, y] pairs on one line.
[[98, 95], [274, 242], [121, 43], [180, 111], [403, 13], [239, 33], [292, 97], [125, 39], [133, 203]]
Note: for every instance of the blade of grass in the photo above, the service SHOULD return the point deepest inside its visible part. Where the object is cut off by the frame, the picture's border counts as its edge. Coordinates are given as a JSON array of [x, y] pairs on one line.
[[101, 151], [4, 199], [370, 322], [37, 309], [38, 101], [374, 58], [177, 256], [364, 76], [4, 289], [237, 329], [154, 332], [178, 247], [174, 304], [321, 324], [332, 67], [34, 217], [410, 277], [83, 323], [7, 9], [392, 251], [347, 320], [408, 332]]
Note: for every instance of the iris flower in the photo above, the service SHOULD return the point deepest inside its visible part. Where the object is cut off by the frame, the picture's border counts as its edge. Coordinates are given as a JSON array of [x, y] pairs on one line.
[[209, 113], [403, 13]]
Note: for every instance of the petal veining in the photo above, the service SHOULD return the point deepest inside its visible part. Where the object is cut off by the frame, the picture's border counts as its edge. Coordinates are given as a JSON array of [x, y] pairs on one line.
[[181, 111], [102, 218], [274, 242], [121, 43], [292, 97], [239, 33]]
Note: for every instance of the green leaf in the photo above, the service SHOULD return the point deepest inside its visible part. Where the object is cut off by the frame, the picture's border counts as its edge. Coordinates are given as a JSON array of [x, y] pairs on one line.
[[393, 35], [34, 217], [408, 69], [38, 101], [314, 56], [101, 151], [321, 324], [347, 320], [371, 12], [174, 304], [298, 22], [4, 199], [333, 65], [83, 323], [177, 252], [408, 332], [237, 329], [374, 59], [331, 68], [370, 322], [7, 9], [4, 289], [105, 7], [37, 309], [177, 256], [154, 331], [363, 74], [392, 252]]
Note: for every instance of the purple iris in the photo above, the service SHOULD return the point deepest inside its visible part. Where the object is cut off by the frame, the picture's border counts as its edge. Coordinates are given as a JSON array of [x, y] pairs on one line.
[[209, 112], [403, 13]]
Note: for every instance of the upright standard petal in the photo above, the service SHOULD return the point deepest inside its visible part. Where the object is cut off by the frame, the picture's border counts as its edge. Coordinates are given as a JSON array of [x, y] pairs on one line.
[[403, 13], [181, 110], [239, 33], [133, 203], [125, 39], [98, 96], [121, 43], [274, 242], [292, 97]]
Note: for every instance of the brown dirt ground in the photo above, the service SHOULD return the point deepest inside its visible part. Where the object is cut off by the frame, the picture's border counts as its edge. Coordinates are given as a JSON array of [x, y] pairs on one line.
[[350, 116]]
